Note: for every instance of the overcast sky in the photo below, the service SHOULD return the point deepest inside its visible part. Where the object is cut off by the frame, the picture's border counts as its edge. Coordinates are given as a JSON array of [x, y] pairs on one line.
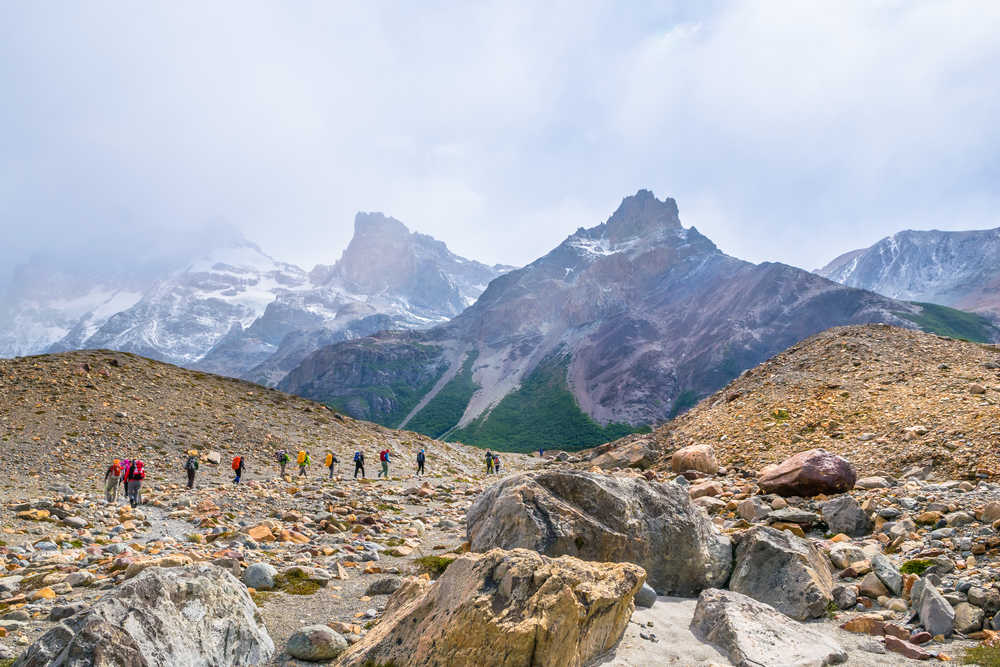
[[786, 131]]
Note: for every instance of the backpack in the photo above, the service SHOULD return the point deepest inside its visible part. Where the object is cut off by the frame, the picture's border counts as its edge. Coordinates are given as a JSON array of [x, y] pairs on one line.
[[302, 457], [190, 464], [357, 456], [329, 460], [237, 462], [116, 470], [420, 457], [382, 456], [136, 472]]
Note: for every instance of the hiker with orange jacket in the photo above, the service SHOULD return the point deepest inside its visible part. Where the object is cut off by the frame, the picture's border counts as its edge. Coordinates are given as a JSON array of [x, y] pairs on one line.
[[238, 469], [112, 477]]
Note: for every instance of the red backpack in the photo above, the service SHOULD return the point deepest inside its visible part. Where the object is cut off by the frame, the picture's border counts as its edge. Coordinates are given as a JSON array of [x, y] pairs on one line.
[[237, 461]]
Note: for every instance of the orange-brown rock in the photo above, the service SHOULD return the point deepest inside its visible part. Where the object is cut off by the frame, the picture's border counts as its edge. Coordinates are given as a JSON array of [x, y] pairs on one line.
[[505, 608]]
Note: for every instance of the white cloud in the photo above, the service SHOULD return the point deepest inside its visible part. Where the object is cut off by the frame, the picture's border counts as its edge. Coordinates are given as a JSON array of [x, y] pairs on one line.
[[788, 131]]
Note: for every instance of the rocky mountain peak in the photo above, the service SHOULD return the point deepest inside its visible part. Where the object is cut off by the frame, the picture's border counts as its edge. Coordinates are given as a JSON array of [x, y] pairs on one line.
[[640, 214], [377, 224]]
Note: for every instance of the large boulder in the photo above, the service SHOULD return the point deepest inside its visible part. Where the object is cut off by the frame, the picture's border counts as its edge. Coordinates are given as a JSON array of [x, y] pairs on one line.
[[752, 633], [638, 454], [504, 608], [700, 458], [809, 474], [602, 518], [784, 571], [178, 617]]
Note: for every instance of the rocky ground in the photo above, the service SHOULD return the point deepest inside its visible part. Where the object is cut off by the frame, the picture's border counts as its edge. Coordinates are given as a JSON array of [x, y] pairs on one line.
[[796, 563], [885, 397]]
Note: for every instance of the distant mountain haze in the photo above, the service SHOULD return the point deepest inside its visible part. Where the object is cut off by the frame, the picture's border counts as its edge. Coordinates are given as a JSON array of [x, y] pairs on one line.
[[622, 325], [958, 269], [230, 308]]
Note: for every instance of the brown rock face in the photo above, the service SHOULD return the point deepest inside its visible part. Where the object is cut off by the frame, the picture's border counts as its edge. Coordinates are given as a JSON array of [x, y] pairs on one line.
[[809, 474], [695, 457], [505, 608]]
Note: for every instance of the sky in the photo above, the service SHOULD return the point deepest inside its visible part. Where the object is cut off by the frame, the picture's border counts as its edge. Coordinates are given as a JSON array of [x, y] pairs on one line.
[[786, 131]]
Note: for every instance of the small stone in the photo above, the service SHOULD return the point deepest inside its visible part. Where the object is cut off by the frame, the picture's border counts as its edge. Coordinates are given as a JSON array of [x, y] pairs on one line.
[[260, 576], [646, 597], [906, 649], [315, 643]]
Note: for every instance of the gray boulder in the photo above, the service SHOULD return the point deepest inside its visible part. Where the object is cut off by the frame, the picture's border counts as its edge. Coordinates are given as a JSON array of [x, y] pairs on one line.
[[384, 586], [751, 633], [844, 515], [936, 614], [164, 617], [260, 576], [887, 573], [316, 642], [646, 597], [597, 517], [968, 619], [784, 571]]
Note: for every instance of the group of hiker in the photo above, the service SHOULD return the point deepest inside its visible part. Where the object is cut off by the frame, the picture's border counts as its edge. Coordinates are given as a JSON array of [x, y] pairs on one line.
[[128, 473], [304, 460], [492, 463]]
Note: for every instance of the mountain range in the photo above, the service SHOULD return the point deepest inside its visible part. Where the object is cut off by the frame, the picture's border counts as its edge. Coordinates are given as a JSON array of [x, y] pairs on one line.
[[957, 269], [236, 311], [621, 326]]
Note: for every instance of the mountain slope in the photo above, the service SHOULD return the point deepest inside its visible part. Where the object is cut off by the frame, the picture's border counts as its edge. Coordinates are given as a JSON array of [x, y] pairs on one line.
[[887, 398], [633, 319], [958, 269]]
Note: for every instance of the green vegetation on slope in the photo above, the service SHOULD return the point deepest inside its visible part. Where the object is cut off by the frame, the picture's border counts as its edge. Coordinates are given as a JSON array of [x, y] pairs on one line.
[[953, 323], [541, 414], [685, 400], [444, 410], [400, 395]]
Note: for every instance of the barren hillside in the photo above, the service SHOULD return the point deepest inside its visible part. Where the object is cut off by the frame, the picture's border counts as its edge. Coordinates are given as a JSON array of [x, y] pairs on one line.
[[886, 398], [63, 415]]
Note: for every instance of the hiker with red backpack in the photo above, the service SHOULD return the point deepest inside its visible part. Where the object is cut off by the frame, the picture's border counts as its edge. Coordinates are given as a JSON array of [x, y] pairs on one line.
[[112, 477], [383, 456], [237, 468], [133, 482]]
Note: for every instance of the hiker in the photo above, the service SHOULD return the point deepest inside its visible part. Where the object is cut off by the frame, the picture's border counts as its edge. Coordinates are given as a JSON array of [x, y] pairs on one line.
[[304, 460], [421, 457], [331, 461], [237, 468], [133, 482], [496, 464], [126, 466], [359, 464], [283, 459], [112, 476], [191, 466], [383, 456], [489, 462]]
